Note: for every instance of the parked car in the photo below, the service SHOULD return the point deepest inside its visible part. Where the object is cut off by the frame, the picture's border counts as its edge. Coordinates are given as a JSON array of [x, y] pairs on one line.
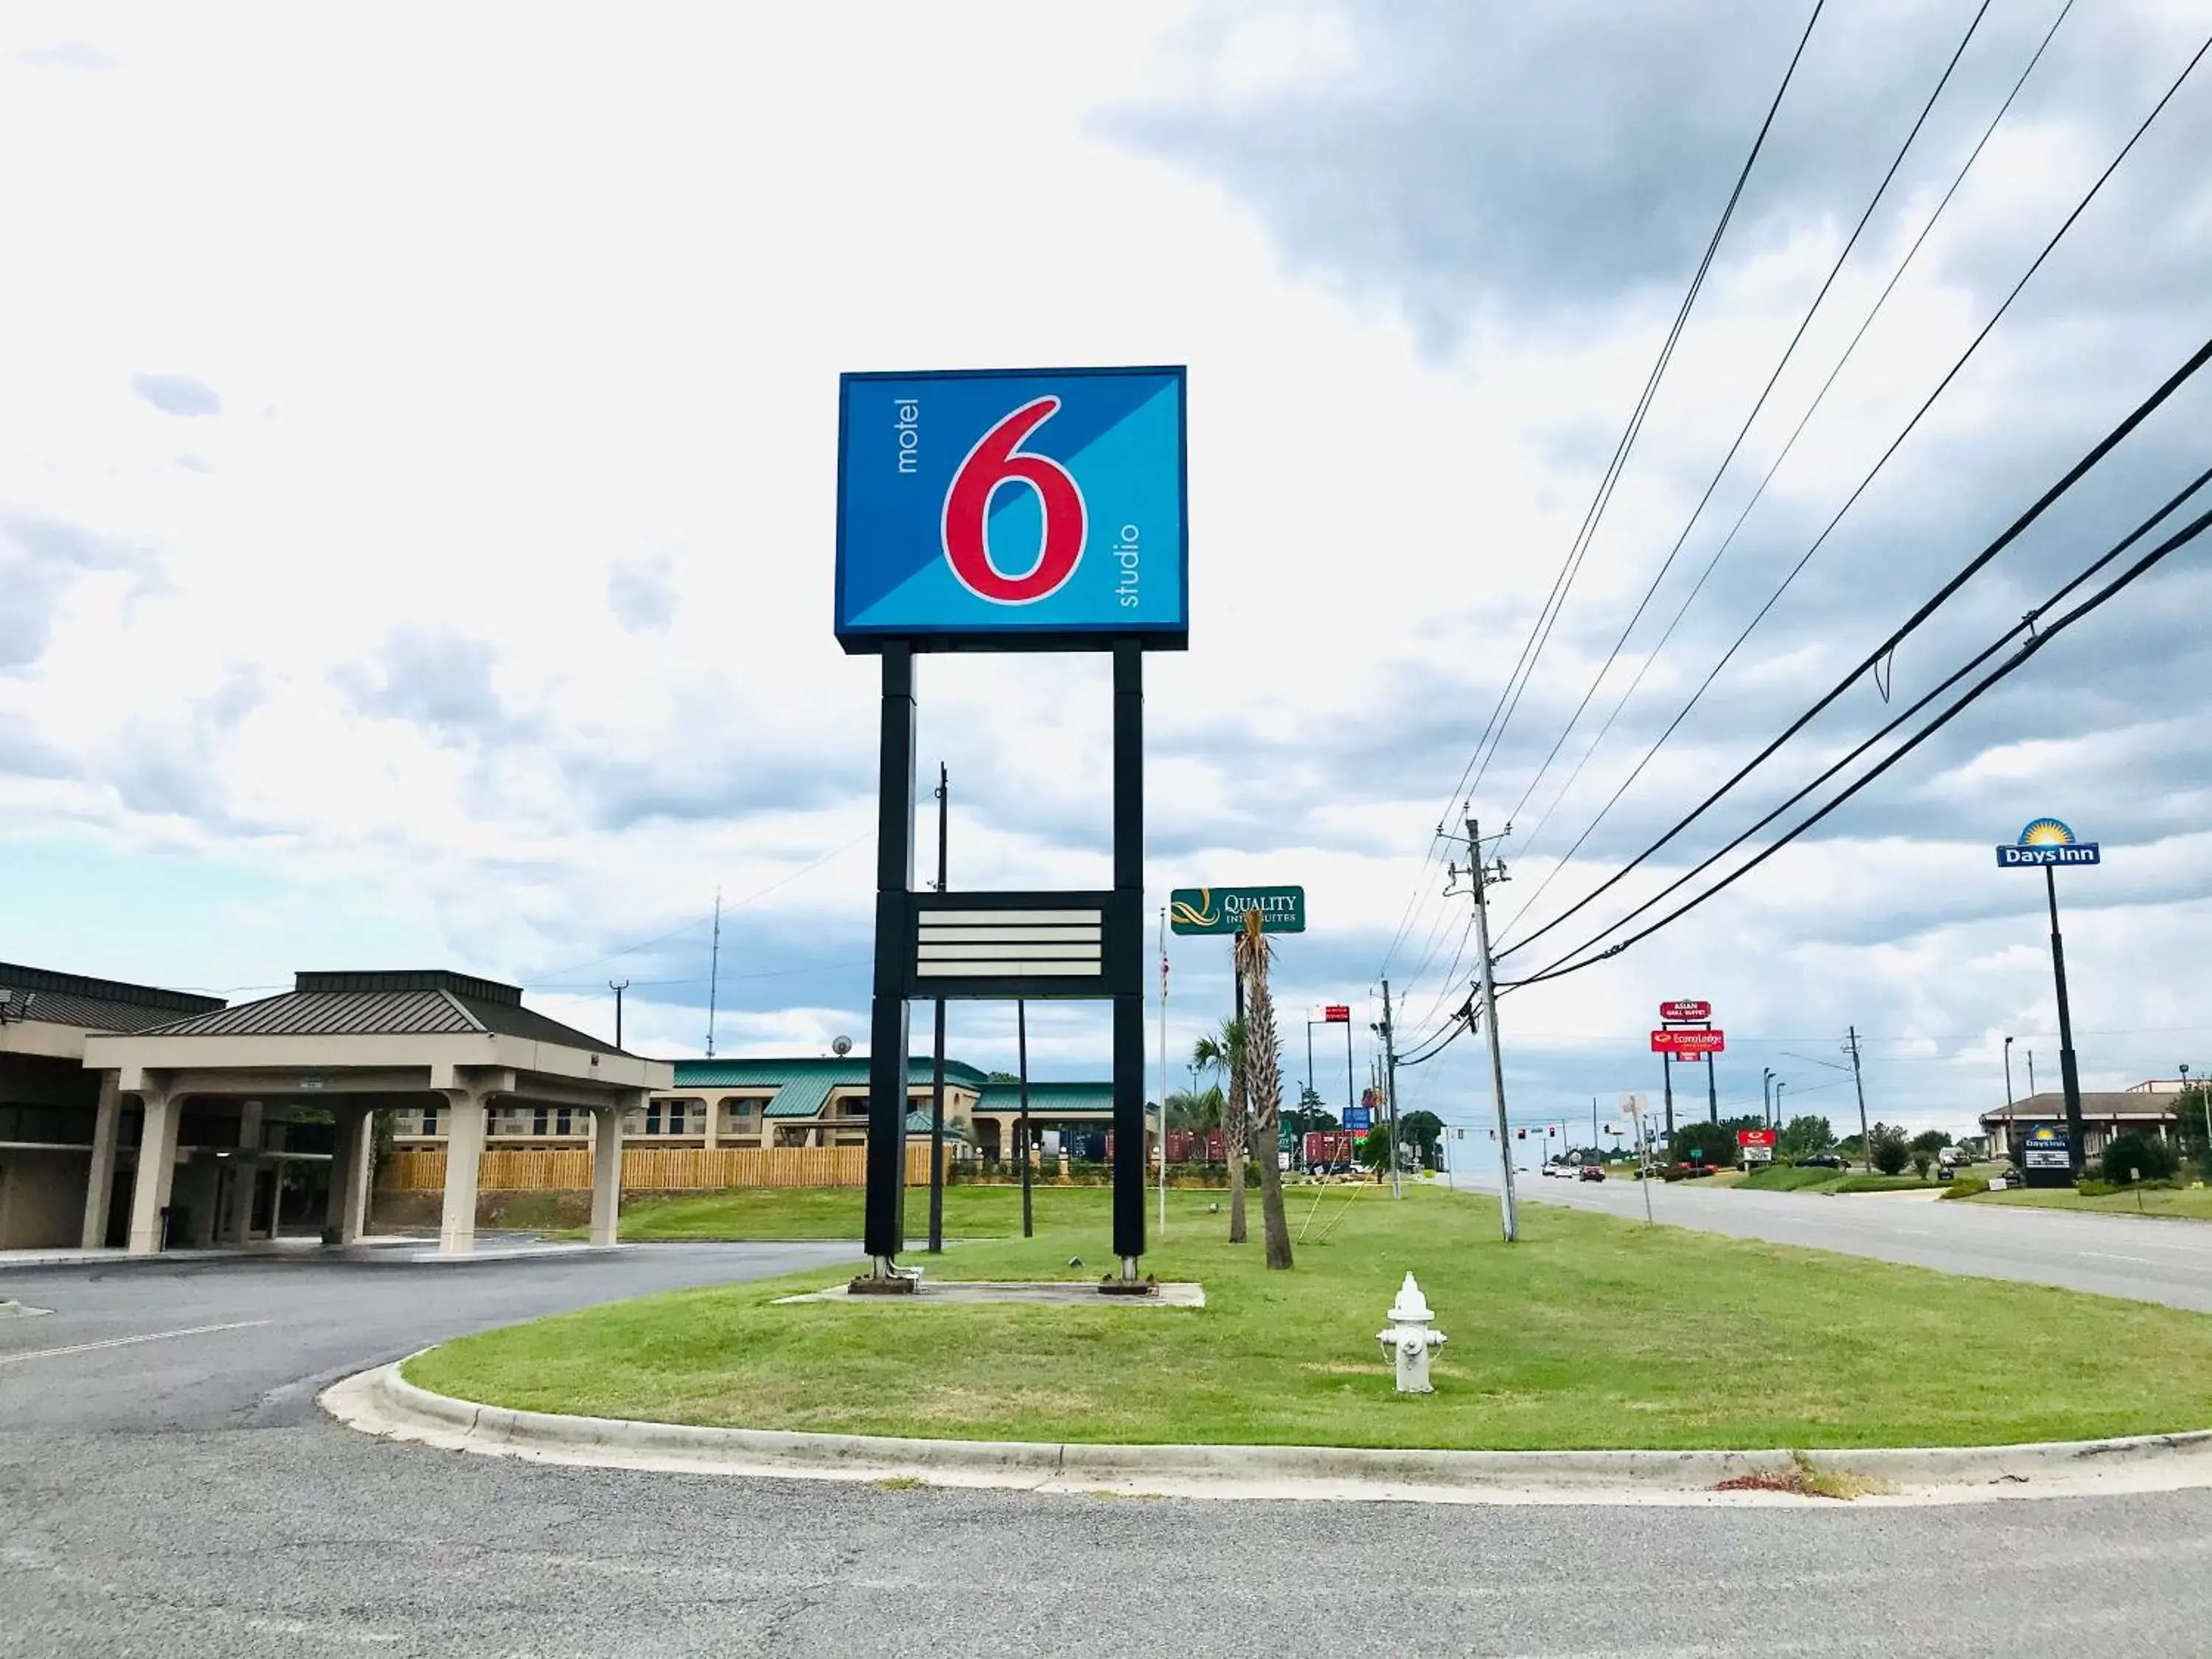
[[1590, 1172], [1823, 1161]]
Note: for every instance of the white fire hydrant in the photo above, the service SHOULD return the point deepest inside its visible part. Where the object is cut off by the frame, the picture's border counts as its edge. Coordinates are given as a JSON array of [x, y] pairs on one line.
[[1409, 1335]]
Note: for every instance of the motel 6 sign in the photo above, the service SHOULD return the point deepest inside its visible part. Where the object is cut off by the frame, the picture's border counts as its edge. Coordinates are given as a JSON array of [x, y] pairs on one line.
[[1030, 508]]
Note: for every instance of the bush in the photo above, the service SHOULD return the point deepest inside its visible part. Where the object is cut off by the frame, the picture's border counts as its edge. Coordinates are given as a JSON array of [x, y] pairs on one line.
[[1890, 1152], [1966, 1187], [1922, 1163], [2095, 1188], [2136, 1157]]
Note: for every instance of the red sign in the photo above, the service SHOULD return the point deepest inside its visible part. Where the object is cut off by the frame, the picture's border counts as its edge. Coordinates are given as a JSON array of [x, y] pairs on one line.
[[1684, 1012], [1754, 1137], [1688, 1043], [1336, 1014]]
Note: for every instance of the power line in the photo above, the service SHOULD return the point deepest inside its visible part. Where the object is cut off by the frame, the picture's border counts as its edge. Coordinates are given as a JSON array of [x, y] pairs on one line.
[[1744, 430], [1772, 599], [1540, 633], [2180, 539], [2026, 622]]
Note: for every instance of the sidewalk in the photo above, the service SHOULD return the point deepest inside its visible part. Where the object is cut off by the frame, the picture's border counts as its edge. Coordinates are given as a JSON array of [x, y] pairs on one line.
[[413, 1249]]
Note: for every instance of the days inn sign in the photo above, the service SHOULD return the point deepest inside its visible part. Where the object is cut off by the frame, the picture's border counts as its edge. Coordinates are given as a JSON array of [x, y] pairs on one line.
[[2045, 842]]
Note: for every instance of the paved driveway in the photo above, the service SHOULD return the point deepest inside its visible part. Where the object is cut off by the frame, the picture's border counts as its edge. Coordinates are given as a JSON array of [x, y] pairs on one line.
[[183, 1496], [2141, 1257]]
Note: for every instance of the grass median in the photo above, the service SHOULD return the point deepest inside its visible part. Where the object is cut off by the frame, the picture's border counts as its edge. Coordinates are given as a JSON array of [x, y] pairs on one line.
[[2189, 1203], [1591, 1332]]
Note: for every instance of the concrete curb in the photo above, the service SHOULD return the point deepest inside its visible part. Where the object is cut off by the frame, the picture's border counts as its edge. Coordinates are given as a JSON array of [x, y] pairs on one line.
[[382, 1402]]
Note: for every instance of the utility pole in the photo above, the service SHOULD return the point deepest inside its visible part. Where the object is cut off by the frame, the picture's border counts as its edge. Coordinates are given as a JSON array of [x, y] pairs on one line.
[[937, 1055], [1389, 1090], [714, 973], [1866, 1141], [1478, 878], [1596, 1150], [618, 987], [2069, 1078]]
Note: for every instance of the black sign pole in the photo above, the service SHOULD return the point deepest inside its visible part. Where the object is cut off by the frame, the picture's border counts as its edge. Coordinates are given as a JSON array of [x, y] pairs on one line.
[[1125, 929], [1712, 1090], [1666, 1067], [937, 1053], [884, 1233], [2068, 1075]]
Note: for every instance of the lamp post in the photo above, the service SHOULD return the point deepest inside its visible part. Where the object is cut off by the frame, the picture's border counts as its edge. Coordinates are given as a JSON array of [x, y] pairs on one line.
[[2007, 1054], [1780, 1084], [2207, 1103], [1766, 1096]]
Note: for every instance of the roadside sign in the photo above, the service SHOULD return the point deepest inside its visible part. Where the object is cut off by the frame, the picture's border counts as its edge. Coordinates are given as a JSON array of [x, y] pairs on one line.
[[1755, 1146], [1221, 910], [2047, 841], [2046, 1156], [1688, 1043], [985, 509], [1684, 1012], [1336, 1014], [1359, 1118]]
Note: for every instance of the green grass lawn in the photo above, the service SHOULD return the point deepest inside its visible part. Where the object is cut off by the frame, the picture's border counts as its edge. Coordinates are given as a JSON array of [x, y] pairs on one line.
[[1591, 1332], [2192, 1203], [788, 1213]]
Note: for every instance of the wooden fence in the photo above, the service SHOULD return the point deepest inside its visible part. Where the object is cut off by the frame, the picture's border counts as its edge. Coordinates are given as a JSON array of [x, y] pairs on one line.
[[648, 1169]]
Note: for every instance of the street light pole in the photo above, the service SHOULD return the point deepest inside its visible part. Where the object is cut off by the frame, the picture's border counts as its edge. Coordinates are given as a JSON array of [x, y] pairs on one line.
[[1766, 1096], [618, 987], [936, 1056], [2007, 1054]]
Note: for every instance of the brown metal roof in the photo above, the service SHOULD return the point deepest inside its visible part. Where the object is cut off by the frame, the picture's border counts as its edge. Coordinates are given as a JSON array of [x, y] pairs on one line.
[[364, 1008], [2051, 1107], [334, 1013], [93, 1005]]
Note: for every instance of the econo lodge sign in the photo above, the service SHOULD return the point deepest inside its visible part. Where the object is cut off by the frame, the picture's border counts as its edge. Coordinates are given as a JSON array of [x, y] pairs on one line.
[[1688, 1043]]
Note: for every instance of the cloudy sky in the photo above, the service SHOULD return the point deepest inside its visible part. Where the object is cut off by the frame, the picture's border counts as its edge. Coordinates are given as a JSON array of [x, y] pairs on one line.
[[415, 507]]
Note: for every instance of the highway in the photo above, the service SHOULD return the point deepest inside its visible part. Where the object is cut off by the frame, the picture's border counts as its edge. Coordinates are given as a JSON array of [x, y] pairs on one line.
[[2147, 1259], [167, 1486]]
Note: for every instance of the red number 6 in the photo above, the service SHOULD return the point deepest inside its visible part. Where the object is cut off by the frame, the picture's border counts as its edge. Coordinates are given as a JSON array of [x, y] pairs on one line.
[[995, 461]]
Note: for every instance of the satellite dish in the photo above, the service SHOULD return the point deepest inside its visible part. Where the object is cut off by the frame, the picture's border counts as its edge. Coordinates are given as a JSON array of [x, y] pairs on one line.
[[841, 1047]]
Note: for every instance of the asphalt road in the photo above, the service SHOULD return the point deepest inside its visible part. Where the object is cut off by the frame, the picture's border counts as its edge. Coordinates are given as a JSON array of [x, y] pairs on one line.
[[2140, 1257], [183, 1495]]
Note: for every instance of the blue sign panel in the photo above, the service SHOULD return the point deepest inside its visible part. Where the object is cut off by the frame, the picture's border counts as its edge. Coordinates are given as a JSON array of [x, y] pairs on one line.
[[2047, 841], [1358, 1117], [1023, 509]]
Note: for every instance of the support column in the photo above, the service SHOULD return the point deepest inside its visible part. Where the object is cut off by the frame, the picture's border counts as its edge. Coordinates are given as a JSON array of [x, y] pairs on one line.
[[1128, 922], [348, 1194], [465, 1140], [883, 1231], [245, 1175], [101, 1185], [606, 1168], [157, 1169]]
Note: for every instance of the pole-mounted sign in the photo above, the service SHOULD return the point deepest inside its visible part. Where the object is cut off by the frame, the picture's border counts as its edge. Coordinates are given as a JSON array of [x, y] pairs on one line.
[[1017, 510], [2045, 844], [1671, 1041], [1221, 910], [1335, 1013], [1039, 509], [1686, 1013]]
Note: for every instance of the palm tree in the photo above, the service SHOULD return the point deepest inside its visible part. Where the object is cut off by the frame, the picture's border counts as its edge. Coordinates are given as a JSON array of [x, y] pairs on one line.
[[1224, 1056], [1264, 1083], [1194, 1109]]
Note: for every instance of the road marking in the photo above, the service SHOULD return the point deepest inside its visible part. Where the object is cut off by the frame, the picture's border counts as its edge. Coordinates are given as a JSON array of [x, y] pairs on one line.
[[127, 1342], [2107, 1255]]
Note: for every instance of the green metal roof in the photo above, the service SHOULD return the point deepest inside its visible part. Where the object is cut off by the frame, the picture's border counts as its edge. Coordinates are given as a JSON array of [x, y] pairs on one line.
[[1048, 1099], [802, 1085]]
